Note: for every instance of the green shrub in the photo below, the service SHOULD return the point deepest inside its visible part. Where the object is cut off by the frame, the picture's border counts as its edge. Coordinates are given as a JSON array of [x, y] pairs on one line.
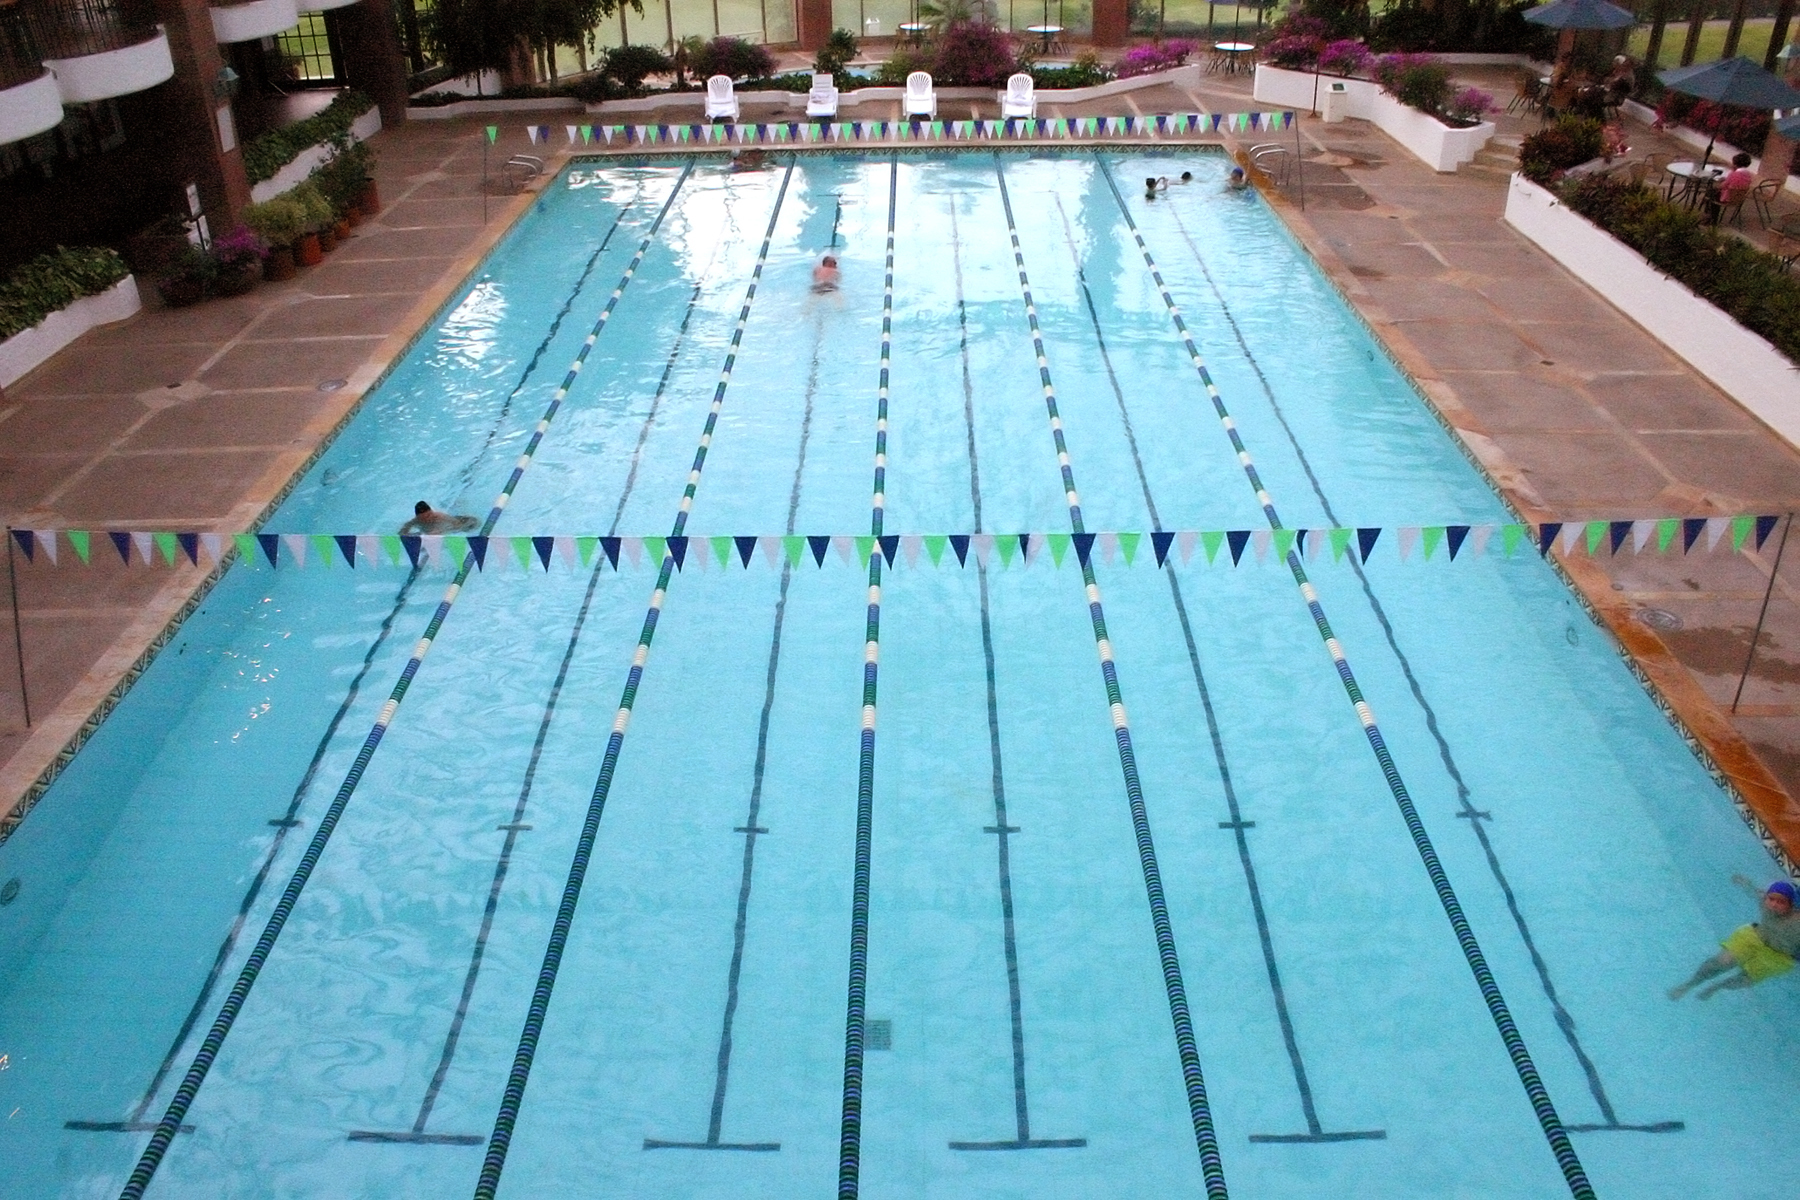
[[313, 203], [265, 155], [835, 55], [51, 282], [1745, 283], [905, 61], [1085, 71], [1571, 141], [629, 66], [279, 221]]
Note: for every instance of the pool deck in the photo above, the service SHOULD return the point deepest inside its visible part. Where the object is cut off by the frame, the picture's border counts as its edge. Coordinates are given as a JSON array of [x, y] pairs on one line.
[[199, 418]]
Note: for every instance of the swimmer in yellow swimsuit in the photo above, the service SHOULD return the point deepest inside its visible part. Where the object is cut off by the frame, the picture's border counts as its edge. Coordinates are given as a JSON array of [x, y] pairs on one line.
[[1754, 952]]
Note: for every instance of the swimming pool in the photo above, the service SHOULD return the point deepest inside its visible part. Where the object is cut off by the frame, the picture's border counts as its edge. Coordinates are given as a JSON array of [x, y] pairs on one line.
[[911, 814]]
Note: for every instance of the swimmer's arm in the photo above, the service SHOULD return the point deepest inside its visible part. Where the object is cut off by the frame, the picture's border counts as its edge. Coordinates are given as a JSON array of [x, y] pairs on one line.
[[410, 528], [1747, 886]]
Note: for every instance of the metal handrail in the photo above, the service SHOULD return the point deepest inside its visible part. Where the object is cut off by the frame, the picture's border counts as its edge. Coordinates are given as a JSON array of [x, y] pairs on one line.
[[36, 31]]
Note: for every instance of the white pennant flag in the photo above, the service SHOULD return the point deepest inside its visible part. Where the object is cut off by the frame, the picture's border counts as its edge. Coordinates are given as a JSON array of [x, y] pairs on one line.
[[909, 546], [574, 132], [1715, 529], [214, 546], [1478, 537], [699, 550], [565, 550], [46, 540], [1407, 535], [1034, 546], [431, 549], [1109, 545], [841, 543], [1641, 533], [296, 547], [141, 543], [983, 545], [368, 550], [634, 550], [1571, 536], [771, 549], [1185, 541], [1260, 540]]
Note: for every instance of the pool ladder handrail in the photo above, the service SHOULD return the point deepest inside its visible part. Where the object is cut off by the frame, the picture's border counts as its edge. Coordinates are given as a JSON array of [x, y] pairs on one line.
[[1273, 160], [521, 169]]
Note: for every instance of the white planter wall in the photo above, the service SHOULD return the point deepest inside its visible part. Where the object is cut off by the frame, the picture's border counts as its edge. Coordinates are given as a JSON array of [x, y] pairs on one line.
[[1738, 362], [24, 351], [310, 159], [1428, 139]]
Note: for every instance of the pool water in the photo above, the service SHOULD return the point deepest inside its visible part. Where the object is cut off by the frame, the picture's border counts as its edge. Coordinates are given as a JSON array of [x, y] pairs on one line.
[[1019, 1022]]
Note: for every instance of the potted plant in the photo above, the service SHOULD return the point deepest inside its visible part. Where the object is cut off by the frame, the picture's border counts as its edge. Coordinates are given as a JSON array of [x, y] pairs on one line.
[[318, 218], [280, 222], [185, 282], [238, 260]]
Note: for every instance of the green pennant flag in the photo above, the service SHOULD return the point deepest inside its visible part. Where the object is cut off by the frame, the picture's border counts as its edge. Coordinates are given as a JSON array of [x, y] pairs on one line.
[[166, 543], [1007, 545], [585, 547], [658, 548], [1740, 529], [934, 547], [1340, 541], [245, 543], [324, 549], [458, 548], [721, 548], [1429, 537], [793, 546], [865, 546], [1596, 533], [1059, 546], [1510, 538], [521, 548], [1128, 544], [1283, 540], [493, 132], [587, 134], [391, 546], [78, 538], [1665, 533], [1211, 541]]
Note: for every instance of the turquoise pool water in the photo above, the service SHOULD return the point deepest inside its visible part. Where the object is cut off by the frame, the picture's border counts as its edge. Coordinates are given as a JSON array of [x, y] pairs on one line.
[[1017, 1024]]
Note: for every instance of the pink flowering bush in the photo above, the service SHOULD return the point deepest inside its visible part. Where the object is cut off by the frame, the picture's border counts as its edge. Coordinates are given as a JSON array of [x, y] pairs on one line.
[[1296, 52], [1345, 57], [1158, 56], [1469, 105]]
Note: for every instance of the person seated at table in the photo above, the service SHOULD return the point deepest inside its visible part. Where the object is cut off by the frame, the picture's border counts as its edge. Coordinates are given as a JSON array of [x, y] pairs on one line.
[[1621, 80], [1566, 84], [1731, 189]]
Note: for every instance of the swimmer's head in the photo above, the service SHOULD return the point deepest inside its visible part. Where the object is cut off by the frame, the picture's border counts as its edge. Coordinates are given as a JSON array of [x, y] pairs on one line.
[[1150, 183], [1187, 177], [829, 261], [1783, 893], [1237, 172], [421, 508]]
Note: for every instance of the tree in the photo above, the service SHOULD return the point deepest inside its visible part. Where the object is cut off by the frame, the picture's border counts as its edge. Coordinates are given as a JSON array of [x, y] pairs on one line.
[[470, 36]]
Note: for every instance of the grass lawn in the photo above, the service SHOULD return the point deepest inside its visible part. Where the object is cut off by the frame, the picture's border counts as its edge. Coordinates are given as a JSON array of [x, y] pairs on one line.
[[1753, 44]]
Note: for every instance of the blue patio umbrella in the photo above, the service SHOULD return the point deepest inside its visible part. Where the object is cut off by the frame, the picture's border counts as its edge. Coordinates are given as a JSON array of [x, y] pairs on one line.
[[1581, 14], [1788, 127], [1731, 81]]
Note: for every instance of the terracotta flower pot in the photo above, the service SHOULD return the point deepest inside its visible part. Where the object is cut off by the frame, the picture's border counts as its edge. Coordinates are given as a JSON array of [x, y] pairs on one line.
[[309, 251], [370, 200], [354, 216], [279, 265], [342, 230], [328, 239], [235, 281]]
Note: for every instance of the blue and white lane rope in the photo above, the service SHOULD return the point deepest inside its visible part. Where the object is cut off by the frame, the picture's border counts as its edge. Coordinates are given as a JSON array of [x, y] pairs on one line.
[[189, 1087], [508, 1115], [850, 1125], [1211, 1165], [1551, 1124]]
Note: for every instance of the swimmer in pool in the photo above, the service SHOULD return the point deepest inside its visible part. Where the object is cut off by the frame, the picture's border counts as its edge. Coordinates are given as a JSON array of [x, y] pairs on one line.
[[1154, 184], [1755, 952], [1237, 181], [428, 520], [825, 275]]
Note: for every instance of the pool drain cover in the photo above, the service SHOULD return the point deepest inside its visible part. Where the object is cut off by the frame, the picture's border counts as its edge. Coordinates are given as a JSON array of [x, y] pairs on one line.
[[881, 1034], [1659, 618], [332, 385]]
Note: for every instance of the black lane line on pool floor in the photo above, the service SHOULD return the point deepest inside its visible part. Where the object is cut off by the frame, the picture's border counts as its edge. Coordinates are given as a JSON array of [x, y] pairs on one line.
[[289, 820], [417, 1135], [1193, 1079], [1564, 1021], [506, 1119], [150, 1161], [1549, 1123], [1022, 1139], [752, 827], [1315, 1130], [850, 1113]]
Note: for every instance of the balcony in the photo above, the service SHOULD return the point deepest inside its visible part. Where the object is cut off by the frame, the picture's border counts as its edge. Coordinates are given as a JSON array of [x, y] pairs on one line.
[[312, 6], [95, 49], [256, 19], [27, 108]]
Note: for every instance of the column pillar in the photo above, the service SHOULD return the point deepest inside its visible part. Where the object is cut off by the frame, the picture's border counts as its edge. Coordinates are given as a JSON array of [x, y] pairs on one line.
[[197, 122], [373, 61], [815, 23], [1111, 23]]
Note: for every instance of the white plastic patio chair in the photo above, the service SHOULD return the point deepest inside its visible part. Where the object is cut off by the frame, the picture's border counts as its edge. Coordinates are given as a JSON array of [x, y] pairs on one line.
[[920, 100], [822, 101], [1020, 97], [721, 100]]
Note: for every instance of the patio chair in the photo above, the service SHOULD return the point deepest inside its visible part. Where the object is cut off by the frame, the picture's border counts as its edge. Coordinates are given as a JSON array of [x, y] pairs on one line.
[[822, 101], [1528, 94], [1763, 196], [1638, 171], [1785, 246], [921, 100], [721, 99], [1020, 97]]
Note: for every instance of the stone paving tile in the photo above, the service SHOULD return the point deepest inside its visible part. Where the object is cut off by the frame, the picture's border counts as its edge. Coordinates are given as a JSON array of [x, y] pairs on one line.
[[1528, 400], [1672, 400], [1429, 299], [70, 421], [409, 243], [386, 276], [25, 479], [1744, 465], [99, 373], [1580, 471], [163, 490], [229, 419], [285, 365], [331, 315]]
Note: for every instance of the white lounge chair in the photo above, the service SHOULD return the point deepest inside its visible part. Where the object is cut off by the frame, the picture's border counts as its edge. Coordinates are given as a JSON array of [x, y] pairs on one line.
[[721, 100], [920, 100], [822, 101], [1020, 97]]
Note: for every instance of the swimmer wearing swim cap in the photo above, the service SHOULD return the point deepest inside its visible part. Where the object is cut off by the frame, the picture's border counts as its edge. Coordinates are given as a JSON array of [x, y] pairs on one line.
[[1754, 952]]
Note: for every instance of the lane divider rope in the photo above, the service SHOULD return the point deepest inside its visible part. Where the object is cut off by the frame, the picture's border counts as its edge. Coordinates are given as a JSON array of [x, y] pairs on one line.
[[1551, 1124], [850, 1124], [506, 1118], [189, 1088], [1211, 1165]]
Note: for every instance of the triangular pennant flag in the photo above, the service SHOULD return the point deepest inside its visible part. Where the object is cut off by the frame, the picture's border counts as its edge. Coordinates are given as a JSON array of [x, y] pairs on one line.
[[1480, 535], [478, 548], [1547, 535], [1059, 546], [322, 546], [845, 547], [910, 545], [435, 552], [1340, 541], [27, 542], [1007, 547], [819, 546], [1365, 541], [1454, 535], [656, 549], [296, 547], [1643, 531], [410, 545], [166, 543], [771, 548], [268, 541], [1084, 547], [721, 548], [46, 540], [122, 543], [677, 545], [1185, 543], [1128, 544], [78, 538], [634, 550], [1618, 531], [545, 547], [746, 546], [1691, 529], [1159, 544], [346, 544], [1715, 529], [791, 547], [1513, 536], [609, 546], [1259, 541], [1238, 538], [1572, 534], [584, 550], [1109, 545], [1595, 533], [1282, 540], [701, 556], [565, 550], [983, 545], [1212, 539], [368, 548], [1740, 529], [493, 133], [959, 542], [1429, 537], [890, 546], [246, 547], [1406, 535], [865, 546], [1764, 527]]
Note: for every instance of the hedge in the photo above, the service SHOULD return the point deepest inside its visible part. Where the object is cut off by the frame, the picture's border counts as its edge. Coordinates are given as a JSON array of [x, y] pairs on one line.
[[51, 282], [265, 155]]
